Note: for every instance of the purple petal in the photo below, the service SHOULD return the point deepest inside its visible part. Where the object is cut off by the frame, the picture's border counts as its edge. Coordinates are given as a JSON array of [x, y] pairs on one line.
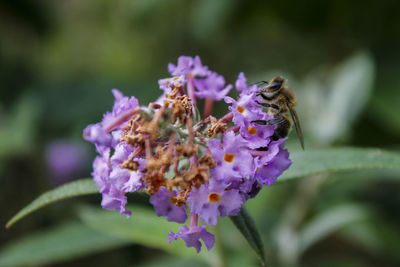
[[241, 82], [164, 207], [225, 202], [192, 237]]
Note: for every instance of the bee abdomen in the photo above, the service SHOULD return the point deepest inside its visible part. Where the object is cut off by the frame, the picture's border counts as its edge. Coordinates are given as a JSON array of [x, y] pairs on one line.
[[282, 129]]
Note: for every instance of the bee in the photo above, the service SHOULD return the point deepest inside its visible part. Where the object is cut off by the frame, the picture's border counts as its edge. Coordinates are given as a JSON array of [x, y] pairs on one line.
[[279, 99]]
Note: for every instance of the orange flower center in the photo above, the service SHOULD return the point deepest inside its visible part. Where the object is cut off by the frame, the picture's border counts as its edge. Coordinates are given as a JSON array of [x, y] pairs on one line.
[[214, 197], [240, 109], [229, 157], [251, 130]]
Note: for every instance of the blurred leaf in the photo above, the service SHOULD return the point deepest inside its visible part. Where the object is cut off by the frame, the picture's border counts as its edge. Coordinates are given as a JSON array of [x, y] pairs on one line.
[[73, 189], [67, 241], [209, 15], [239, 259], [364, 235], [379, 236], [142, 8], [384, 106], [174, 262], [235, 250], [245, 223], [19, 130], [304, 164], [307, 163], [143, 227], [330, 221], [338, 96], [333, 260]]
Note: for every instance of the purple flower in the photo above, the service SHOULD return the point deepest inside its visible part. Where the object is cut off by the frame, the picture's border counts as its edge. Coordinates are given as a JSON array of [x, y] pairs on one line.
[[139, 150], [241, 85], [95, 134], [169, 83], [208, 84], [212, 87], [101, 171], [164, 207], [192, 237], [213, 200], [113, 180], [123, 105], [113, 199], [233, 163], [98, 133], [125, 180], [257, 135], [188, 65], [122, 152], [271, 166], [116, 137], [65, 160], [244, 110]]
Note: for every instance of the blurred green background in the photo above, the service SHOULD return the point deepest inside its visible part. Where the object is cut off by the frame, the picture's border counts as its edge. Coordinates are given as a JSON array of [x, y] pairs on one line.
[[59, 61]]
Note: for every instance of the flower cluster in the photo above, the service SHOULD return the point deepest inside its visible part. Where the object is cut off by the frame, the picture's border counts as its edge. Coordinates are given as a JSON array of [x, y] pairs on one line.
[[207, 168]]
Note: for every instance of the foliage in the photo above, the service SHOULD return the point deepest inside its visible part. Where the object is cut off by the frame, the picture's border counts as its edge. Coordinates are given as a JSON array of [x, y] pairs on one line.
[[144, 228], [335, 206]]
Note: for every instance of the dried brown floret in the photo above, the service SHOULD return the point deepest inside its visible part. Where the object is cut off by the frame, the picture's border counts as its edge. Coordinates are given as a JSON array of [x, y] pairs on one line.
[[208, 161], [181, 198], [217, 128], [154, 181], [187, 150], [181, 106], [130, 165]]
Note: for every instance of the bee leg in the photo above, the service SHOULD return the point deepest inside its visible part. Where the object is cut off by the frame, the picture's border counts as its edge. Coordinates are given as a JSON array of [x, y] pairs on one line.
[[282, 127], [276, 121], [266, 105], [281, 130], [261, 122]]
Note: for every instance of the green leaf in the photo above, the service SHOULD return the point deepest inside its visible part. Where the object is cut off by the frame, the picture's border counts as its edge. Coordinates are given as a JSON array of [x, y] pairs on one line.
[[245, 223], [377, 235], [73, 189], [307, 163], [331, 221], [173, 262], [143, 227], [339, 94], [384, 108], [304, 163], [67, 241], [210, 15], [18, 129]]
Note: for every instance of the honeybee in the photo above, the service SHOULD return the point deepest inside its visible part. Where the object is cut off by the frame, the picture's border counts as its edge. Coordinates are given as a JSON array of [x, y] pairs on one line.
[[279, 99]]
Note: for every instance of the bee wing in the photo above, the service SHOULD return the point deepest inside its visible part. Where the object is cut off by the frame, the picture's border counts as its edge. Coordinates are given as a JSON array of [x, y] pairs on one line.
[[260, 82], [296, 122]]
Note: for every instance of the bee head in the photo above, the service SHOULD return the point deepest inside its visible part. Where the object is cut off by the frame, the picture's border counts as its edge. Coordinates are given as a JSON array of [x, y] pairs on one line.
[[275, 84], [271, 88]]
